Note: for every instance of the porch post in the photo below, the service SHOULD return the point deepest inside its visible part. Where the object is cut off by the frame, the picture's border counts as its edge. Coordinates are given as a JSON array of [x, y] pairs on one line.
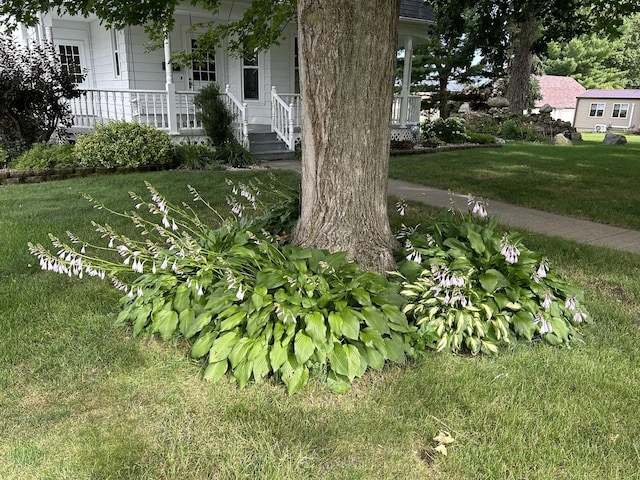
[[406, 80], [171, 89]]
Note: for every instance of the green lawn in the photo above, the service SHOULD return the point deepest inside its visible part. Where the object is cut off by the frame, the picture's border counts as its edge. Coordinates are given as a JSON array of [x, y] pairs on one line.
[[81, 399], [587, 180]]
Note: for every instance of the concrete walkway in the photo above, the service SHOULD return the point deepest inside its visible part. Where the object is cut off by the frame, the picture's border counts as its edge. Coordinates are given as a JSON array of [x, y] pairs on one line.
[[583, 231]]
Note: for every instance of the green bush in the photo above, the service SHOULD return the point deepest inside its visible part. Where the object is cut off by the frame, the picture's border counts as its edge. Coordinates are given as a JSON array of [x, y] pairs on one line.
[[215, 116], [233, 154], [483, 124], [253, 307], [481, 138], [43, 156], [124, 144], [513, 129], [470, 288], [197, 157], [451, 130], [249, 305]]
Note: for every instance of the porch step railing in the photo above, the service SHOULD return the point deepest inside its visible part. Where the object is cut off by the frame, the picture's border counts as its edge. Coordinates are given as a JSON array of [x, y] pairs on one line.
[[286, 116], [239, 122]]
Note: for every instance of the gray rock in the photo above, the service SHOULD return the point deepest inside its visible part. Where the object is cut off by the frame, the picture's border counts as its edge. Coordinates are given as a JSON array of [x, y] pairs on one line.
[[465, 108], [498, 102], [614, 139], [560, 139], [546, 108], [576, 137]]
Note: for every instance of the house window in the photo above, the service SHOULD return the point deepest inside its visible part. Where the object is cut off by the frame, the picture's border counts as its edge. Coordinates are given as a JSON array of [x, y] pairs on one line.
[[620, 110], [116, 53], [596, 110], [70, 61], [250, 84], [205, 69]]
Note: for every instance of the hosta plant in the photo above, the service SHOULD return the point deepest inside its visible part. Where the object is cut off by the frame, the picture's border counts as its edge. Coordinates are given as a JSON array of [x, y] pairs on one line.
[[250, 306], [471, 288]]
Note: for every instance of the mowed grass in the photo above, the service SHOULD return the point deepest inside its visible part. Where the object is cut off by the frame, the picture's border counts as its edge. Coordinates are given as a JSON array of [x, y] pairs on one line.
[[81, 399], [587, 180]]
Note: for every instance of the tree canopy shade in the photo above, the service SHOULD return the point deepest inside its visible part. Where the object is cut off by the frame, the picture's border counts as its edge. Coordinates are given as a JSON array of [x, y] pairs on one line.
[[346, 128], [508, 32]]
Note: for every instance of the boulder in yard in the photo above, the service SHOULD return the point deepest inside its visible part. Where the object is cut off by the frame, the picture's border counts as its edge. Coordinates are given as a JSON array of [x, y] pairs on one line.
[[465, 108], [560, 139], [546, 108], [498, 102], [614, 139]]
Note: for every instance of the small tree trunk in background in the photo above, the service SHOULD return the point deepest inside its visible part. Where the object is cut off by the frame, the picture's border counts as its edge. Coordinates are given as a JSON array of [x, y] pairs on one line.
[[521, 64], [348, 59]]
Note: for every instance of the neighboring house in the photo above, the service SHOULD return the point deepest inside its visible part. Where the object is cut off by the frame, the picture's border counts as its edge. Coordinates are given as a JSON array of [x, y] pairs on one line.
[[603, 110], [124, 81], [560, 94]]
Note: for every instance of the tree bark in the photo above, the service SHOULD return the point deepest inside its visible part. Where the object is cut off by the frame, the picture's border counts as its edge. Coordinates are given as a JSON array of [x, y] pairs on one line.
[[521, 64], [347, 69]]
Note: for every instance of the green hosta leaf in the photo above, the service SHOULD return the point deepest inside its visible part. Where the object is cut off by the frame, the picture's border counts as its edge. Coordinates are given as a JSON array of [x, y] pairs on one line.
[[361, 296], [560, 328], [294, 376], [372, 338], [397, 319], [203, 344], [475, 239], [492, 279], [261, 365], [165, 323], [142, 319], [316, 327], [242, 372], [215, 371], [278, 355], [395, 348], [223, 345], [198, 324], [232, 321], [338, 383], [350, 324], [523, 324], [182, 300], [375, 359], [303, 347], [335, 324], [345, 360], [270, 279], [375, 319], [240, 351]]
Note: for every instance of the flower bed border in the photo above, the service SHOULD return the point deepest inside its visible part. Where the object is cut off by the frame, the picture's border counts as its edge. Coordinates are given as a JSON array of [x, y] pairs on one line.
[[13, 177]]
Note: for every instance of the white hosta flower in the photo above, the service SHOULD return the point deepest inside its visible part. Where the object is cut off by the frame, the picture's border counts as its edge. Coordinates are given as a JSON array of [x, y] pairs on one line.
[[570, 303], [545, 325], [547, 299], [415, 257], [401, 206], [579, 316], [240, 293], [508, 250]]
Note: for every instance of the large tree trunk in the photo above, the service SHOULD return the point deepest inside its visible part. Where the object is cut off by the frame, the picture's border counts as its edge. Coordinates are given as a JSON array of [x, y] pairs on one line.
[[347, 69], [521, 64]]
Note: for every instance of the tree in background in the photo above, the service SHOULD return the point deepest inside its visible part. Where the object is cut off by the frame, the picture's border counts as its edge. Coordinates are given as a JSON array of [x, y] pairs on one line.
[[630, 51], [344, 182], [34, 94], [447, 57], [510, 32]]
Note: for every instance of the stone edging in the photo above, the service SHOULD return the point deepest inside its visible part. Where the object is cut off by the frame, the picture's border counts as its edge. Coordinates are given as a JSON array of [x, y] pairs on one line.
[[12, 177]]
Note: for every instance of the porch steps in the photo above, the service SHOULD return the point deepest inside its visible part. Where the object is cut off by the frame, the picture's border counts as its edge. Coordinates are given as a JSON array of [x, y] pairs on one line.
[[267, 146]]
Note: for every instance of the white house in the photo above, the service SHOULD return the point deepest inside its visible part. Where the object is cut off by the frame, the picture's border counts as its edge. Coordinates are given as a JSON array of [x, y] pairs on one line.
[[560, 93], [124, 81]]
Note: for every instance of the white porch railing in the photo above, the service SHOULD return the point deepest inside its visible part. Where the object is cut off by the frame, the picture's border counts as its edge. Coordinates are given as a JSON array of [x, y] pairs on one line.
[[149, 107], [413, 110], [286, 116], [152, 107], [239, 113]]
